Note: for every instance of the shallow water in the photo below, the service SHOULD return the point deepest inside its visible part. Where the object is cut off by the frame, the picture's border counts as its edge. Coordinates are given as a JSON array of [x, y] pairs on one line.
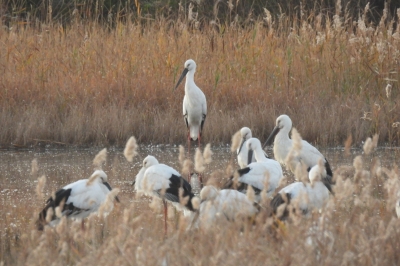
[[18, 185]]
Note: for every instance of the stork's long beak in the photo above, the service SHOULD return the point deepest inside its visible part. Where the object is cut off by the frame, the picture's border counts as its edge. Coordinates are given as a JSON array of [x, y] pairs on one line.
[[271, 136], [250, 157], [241, 145], [327, 183], [109, 187], [133, 183], [184, 72]]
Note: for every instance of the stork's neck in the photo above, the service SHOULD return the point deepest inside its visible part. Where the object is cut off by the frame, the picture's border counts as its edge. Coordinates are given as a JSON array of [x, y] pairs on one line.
[[283, 136], [282, 146], [260, 157], [189, 84]]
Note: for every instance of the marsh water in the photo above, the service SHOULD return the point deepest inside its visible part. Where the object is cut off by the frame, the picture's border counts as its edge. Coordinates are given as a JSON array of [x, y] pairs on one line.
[[63, 166]]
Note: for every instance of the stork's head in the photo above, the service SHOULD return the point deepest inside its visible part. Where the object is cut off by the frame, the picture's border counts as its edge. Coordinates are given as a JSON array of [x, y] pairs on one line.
[[149, 161], [208, 193], [283, 124], [246, 133], [315, 174], [253, 144], [190, 65], [100, 174]]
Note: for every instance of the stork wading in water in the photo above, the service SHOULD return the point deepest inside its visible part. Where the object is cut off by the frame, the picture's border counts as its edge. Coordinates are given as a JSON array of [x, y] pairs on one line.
[[313, 195], [194, 104], [246, 156], [308, 155], [163, 181], [77, 200], [255, 174]]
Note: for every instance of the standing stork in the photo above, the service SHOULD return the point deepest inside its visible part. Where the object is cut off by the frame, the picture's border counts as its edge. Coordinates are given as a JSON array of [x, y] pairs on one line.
[[308, 154], [313, 195], [255, 174], [194, 104], [160, 180], [245, 156], [77, 200]]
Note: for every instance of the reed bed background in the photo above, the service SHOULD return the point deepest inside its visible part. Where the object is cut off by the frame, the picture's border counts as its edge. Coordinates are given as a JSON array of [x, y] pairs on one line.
[[358, 226], [87, 83]]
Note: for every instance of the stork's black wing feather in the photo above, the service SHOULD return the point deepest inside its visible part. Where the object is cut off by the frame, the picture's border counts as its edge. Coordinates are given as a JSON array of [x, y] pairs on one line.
[[329, 172], [230, 184], [172, 193], [278, 200], [243, 171], [202, 124], [61, 195]]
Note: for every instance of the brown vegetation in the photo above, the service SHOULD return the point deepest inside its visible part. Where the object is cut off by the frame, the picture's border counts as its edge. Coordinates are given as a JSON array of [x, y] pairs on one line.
[[86, 84], [357, 227]]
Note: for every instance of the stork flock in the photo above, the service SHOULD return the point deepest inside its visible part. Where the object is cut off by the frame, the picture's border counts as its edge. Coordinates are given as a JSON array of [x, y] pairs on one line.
[[258, 174]]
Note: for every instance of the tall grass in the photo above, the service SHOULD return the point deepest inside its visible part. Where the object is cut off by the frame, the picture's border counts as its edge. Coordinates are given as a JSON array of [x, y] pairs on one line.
[[87, 84], [358, 226]]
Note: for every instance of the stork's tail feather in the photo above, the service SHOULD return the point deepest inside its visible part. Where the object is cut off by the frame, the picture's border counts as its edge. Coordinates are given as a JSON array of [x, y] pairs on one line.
[[190, 204], [194, 132], [41, 221]]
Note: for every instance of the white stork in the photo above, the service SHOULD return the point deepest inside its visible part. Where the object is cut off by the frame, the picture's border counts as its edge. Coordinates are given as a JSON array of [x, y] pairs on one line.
[[313, 195], [244, 155], [226, 203], [308, 155], [255, 174], [160, 180], [194, 104], [77, 200]]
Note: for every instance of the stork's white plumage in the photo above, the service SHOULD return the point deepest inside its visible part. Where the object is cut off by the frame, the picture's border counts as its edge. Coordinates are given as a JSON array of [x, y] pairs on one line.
[[137, 183], [194, 103], [255, 174], [244, 155], [308, 155], [78, 199], [398, 208], [223, 204], [163, 181], [308, 196]]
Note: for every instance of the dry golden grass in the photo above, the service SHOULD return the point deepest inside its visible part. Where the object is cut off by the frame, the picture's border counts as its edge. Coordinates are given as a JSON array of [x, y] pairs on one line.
[[357, 227], [86, 84]]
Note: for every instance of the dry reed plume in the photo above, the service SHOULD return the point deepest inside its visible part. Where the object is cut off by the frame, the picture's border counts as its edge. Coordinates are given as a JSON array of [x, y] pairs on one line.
[[359, 217], [34, 167], [235, 142], [199, 161], [100, 158], [130, 150], [88, 85]]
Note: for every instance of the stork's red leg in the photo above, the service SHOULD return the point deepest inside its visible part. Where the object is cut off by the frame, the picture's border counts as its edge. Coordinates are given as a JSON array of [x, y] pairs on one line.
[[199, 174], [188, 138], [199, 137], [189, 152], [165, 216]]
